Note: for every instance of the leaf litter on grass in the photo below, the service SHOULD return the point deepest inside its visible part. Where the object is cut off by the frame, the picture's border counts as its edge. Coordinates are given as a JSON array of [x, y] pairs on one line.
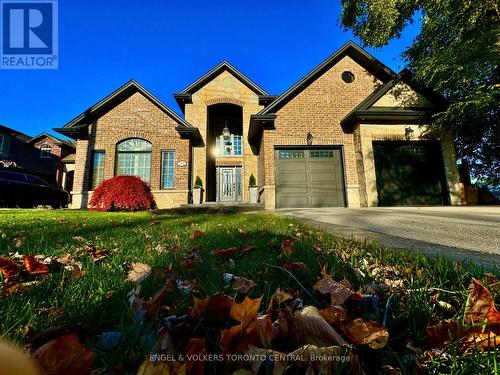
[[344, 324]]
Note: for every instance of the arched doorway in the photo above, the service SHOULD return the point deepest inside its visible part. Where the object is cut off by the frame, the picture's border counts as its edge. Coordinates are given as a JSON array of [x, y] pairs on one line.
[[224, 153]]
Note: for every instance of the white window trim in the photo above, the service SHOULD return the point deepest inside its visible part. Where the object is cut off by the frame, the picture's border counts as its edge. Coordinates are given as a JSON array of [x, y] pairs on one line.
[[42, 151], [162, 176]]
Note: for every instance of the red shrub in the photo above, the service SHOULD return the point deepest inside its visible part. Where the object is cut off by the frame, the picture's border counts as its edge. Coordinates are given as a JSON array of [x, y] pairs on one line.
[[122, 193]]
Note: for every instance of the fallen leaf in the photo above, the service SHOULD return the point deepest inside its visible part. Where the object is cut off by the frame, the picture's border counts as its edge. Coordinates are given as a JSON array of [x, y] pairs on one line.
[[288, 247], [157, 367], [187, 264], [64, 355], [34, 267], [8, 268], [218, 308], [248, 249], [199, 307], [49, 311], [334, 314], [482, 340], [442, 304], [339, 293], [138, 272], [441, 332], [68, 262], [480, 305], [293, 266], [242, 285], [245, 311], [152, 306], [196, 234], [257, 356], [225, 252], [195, 347], [315, 329], [18, 241], [369, 333]]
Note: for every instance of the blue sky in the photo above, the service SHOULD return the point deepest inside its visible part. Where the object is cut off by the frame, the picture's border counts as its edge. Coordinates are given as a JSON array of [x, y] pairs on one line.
[[166, 45]]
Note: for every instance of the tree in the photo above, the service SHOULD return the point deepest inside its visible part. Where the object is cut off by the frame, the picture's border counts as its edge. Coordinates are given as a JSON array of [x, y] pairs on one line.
[[457, 54]]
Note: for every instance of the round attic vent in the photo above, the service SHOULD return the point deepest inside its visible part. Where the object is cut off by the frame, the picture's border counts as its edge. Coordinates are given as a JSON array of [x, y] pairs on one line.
[[347, 77]]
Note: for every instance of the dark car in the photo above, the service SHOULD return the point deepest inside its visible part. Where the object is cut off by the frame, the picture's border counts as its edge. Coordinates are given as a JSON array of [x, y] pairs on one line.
[[25, 190]]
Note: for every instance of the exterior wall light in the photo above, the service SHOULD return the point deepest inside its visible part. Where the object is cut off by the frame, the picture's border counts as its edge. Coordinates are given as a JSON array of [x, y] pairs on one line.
[[309, 139]]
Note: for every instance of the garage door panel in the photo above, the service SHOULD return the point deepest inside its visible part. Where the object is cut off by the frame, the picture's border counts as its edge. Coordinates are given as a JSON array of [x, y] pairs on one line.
[[293, 201], [309, 178], [293, 166]]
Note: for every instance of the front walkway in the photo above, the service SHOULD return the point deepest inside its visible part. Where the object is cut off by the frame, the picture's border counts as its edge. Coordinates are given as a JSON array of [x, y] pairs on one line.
[[456, 232]]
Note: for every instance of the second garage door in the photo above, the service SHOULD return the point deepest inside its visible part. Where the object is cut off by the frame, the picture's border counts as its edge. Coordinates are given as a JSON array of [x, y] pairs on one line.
[[309, 178]]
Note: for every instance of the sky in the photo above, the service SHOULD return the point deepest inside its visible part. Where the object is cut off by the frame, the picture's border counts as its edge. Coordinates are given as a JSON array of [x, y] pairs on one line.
[[166, 45]]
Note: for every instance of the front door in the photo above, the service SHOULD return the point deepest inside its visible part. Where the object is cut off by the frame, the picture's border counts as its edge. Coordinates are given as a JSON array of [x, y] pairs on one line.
[[229, 184]]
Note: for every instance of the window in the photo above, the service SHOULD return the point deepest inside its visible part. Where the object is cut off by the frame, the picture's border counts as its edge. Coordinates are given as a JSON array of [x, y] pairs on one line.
[[167, 169], [347, 77], [97, 168], [45, 150], [231, 147], [1, 142], [287, 154], [321, 154], [134, 159]]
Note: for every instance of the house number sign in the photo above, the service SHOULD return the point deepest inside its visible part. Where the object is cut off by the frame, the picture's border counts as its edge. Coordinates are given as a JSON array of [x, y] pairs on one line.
[[181, 163]]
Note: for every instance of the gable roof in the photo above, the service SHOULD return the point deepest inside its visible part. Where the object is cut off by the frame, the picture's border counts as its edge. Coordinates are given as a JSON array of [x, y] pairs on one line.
[[14, 133], [184, 97], [73, 129], [351, 49], [56, 140], [365, 111]]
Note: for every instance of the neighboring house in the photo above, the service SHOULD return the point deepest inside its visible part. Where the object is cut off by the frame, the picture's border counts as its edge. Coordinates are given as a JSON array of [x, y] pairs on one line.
[[59, 156], [40, 155], [350, 133]]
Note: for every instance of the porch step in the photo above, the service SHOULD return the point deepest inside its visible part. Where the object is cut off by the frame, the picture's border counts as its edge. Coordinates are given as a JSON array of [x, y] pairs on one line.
[[215, 207]]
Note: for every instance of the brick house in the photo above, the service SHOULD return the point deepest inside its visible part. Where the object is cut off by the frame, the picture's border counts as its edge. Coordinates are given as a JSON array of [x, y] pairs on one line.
[[350, 133], [41, 155]]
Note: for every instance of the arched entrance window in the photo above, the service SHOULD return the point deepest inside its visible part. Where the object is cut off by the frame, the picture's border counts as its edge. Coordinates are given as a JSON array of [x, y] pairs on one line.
[[134, 158]]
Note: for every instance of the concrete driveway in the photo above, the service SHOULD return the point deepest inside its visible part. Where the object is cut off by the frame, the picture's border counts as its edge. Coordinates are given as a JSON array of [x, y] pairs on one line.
[[457, 232]]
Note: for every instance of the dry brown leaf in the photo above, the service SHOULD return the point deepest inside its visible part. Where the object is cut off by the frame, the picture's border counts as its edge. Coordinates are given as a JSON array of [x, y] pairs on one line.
[[8, 268], [195, 347], [248, 249], [293, 266], [18, 241], [196, 234], [64, 355], [34, 267], [242, 285], [225, 252], [338, 292], [334, 314], [441, 332], [315, 329], [245, 311], [480, 305], [187, 264], [138, 272], [199, 307], [482, 340], [149, 367], [49, 311], [218, 308], [279, 363], [288, 247], [153, 305], [369, 333]]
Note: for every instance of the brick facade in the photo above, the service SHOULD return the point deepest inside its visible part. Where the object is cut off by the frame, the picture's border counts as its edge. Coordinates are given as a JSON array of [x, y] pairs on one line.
[[135, 117], [319, 108]]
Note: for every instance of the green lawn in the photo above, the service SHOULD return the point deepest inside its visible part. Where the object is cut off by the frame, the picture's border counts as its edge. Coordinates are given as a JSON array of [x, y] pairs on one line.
[[98, 299]]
